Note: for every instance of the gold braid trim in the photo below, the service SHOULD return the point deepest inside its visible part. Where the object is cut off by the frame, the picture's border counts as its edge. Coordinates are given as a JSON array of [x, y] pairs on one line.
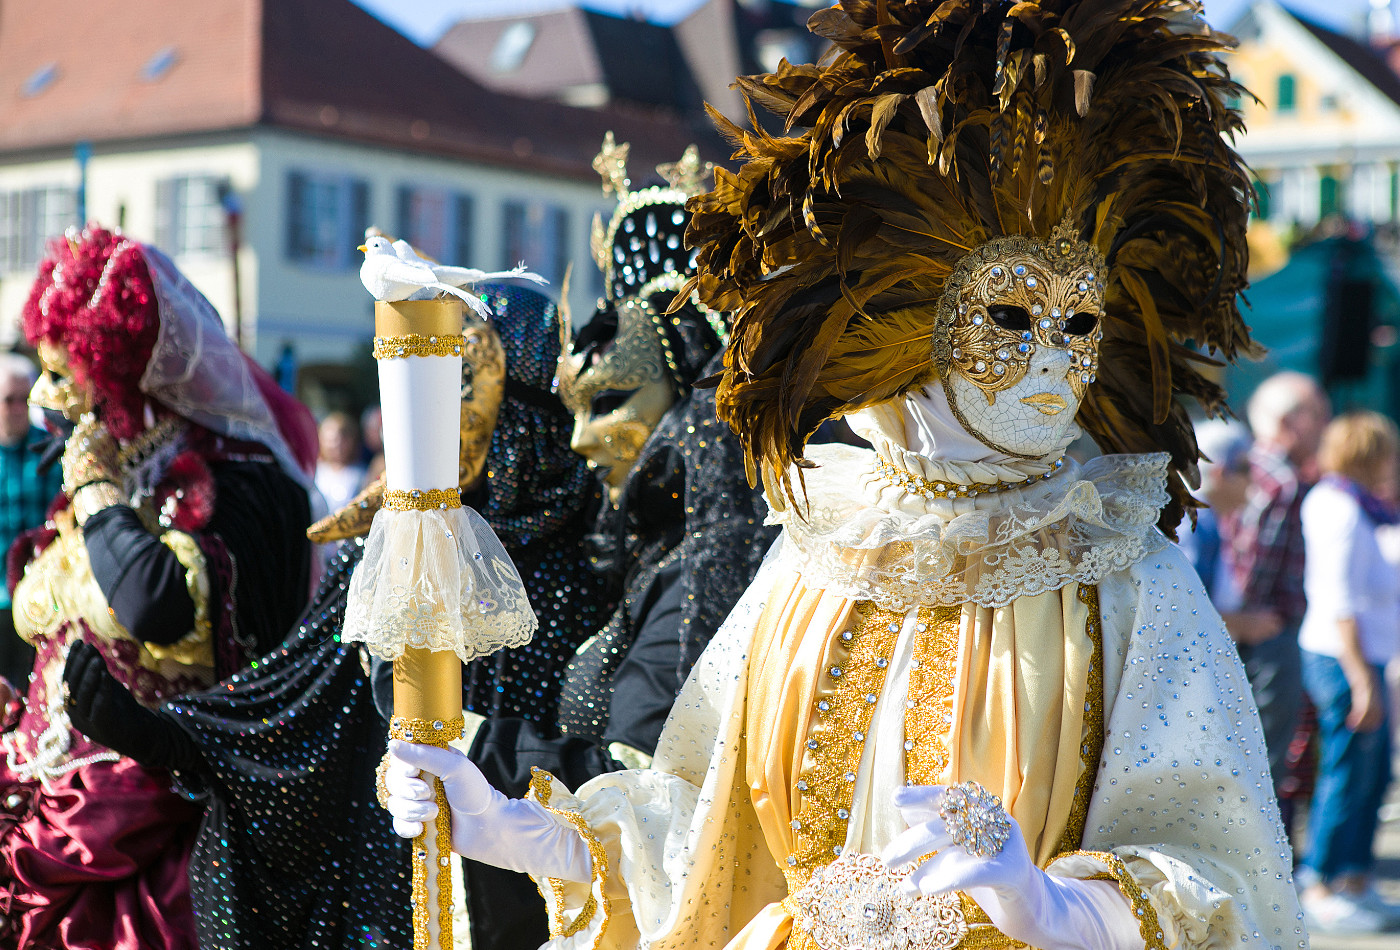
[[195, 648], [1148, 925], [422, 499], [541, 790], [859, 658], [443, 874], [415, 344], [381, 790], [436, 732]]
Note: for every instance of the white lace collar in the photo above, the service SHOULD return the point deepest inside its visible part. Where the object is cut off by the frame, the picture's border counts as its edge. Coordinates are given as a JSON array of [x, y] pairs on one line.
[[860, 535]]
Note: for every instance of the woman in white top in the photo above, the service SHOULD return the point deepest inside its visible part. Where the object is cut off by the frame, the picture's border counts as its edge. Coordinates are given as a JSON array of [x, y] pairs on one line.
[[1351, 630]]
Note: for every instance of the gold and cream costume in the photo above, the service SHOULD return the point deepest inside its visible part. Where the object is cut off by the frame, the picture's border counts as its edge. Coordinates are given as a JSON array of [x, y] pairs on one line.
[[1043, 639]]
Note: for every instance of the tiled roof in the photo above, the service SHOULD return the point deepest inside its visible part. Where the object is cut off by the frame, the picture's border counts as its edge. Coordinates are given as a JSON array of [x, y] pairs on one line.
[[324, 67], [1365, 59]]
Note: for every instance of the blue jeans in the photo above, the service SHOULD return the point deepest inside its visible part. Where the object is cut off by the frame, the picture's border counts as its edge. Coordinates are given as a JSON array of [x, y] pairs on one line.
[[1353, 770]]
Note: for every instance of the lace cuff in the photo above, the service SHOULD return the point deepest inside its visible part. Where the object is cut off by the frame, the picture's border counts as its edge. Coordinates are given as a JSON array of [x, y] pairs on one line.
[[436, 580], [195, 648], [578, 912], [1107, 866]]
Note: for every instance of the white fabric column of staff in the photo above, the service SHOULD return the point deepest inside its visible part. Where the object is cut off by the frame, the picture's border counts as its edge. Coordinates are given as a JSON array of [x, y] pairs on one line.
[[421, 397]]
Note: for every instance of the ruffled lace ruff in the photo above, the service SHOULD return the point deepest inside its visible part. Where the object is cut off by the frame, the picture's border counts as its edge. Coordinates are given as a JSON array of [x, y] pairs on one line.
[[861, 537], [436, 580]]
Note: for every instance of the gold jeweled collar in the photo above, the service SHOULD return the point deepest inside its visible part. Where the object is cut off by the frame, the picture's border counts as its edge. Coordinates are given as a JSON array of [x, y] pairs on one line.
[[928, 488]]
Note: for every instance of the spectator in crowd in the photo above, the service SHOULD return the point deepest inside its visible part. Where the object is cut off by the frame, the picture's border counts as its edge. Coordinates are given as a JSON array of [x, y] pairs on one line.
[[25, 494], [1224, 470], [372, 435], [1287, 414], [339, 474], [1350, 631]]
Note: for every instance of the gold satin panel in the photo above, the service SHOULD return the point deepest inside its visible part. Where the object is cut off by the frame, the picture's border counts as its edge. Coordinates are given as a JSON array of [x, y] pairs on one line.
[[1004, 696]]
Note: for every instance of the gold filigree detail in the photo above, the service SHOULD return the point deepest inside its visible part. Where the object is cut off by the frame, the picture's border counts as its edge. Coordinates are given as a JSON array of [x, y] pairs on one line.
[[928, 708], [858, 662], [1049, 281], [541, 790], [928, 488], [422, 499], [1092, 750], [634, 359], [416, 344]]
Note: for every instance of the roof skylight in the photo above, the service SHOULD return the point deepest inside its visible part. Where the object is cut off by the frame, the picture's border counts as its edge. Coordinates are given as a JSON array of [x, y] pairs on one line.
[[160, 64], [39, 80]]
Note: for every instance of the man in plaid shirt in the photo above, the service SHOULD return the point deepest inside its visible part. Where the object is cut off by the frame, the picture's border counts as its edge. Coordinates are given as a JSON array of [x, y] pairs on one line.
[[1287, 413], [25, 495]]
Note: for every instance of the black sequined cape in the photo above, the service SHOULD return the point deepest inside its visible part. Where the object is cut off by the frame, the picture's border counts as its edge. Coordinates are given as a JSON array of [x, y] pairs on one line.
[[294, 852], [689, 536]]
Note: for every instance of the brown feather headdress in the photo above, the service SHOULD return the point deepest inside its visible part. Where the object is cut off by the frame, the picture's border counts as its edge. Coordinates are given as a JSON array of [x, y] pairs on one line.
[[934, 126]]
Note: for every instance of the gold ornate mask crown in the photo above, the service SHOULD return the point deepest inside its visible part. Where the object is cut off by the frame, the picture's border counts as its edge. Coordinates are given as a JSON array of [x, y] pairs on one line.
[[1013, 294], [629, 363]]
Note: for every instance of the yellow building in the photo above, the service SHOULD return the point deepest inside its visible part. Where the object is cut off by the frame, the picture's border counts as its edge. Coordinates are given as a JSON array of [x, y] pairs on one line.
[[1324, 137]]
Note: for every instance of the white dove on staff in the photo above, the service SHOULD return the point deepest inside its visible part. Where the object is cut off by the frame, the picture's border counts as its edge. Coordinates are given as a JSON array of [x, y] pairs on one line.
[[394, 271]]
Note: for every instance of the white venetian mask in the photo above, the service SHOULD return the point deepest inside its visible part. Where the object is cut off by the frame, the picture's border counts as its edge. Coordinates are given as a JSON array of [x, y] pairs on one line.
[[1020, 326]]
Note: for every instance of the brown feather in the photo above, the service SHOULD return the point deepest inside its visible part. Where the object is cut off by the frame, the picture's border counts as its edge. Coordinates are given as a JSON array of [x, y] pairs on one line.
[[936, 125]]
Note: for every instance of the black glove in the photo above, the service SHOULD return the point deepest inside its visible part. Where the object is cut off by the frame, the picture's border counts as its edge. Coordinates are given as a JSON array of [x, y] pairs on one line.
[[105, 711]]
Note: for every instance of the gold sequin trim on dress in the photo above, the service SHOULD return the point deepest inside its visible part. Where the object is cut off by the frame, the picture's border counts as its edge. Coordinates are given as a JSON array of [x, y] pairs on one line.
[[928, 713], [422, 499], [541, 790], [415, 344], [1148, 925], [857, 664]]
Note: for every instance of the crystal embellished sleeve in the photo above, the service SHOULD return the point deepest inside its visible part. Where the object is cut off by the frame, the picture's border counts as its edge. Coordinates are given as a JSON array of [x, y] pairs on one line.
[[1183, 814], [670, 842]]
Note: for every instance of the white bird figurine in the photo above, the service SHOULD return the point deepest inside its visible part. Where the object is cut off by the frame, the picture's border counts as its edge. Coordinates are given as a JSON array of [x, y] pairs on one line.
[[394, 271]]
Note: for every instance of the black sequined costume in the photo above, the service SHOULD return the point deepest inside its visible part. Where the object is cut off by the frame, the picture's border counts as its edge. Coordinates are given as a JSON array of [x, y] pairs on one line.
[[688, 537], [294, 852]]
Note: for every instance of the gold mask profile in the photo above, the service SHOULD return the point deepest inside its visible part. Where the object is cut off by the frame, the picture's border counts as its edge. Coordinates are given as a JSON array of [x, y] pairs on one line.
[[617, 395], [55, 388]]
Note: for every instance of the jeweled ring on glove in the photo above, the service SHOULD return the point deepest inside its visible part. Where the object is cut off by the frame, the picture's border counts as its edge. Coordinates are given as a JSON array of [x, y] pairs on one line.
[[975, 818]]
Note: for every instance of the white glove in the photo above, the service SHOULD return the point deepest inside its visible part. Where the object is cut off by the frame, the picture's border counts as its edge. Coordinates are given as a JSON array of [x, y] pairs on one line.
[[1025, 903], [510, 833]]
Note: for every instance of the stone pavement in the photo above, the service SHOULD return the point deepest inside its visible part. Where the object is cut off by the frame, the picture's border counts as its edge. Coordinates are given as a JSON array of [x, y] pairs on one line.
[[1387, 882]]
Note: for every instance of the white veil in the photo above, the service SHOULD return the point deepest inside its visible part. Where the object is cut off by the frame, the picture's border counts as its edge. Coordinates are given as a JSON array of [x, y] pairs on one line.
[[196, 371]]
